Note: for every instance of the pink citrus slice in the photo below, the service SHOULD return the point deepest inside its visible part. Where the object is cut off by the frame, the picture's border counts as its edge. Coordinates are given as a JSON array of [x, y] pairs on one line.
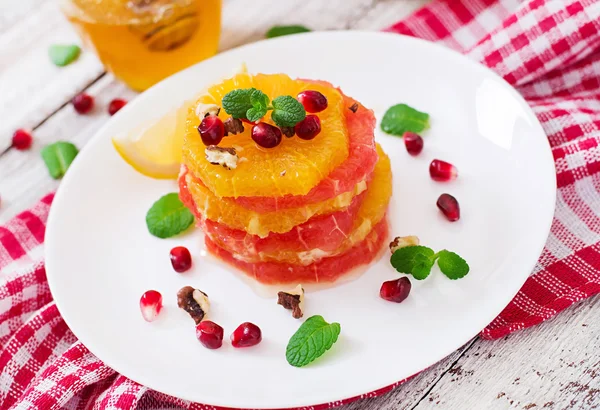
[[324, 271]]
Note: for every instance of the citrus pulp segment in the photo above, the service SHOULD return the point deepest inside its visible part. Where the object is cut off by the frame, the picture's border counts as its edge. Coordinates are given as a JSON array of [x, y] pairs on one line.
[[292, 168]]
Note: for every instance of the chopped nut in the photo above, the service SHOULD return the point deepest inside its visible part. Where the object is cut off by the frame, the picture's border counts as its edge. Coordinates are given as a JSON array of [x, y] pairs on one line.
[[353, 107], [193, 301], [204, 110], [227, 157], [233, 126], [282, 173], [403, 242], [293, 300], [288, 131]]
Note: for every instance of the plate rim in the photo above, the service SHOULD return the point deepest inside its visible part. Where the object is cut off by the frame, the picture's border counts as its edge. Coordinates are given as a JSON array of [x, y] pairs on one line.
[[52, 224]]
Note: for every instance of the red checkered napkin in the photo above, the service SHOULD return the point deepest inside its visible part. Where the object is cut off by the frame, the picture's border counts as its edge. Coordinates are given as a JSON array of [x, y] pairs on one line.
[[548, 49]]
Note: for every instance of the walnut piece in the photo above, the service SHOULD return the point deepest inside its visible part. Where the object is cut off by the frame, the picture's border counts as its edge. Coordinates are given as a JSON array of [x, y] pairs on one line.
[[293, 300], [226, 157], [288, 131], [204, 110], [403, 242], [233, 126], [193, 301]]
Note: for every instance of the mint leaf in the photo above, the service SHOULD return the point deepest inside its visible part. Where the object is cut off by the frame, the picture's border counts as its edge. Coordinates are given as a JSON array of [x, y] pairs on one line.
[[62, 54], [256, 113], [404, 259], [452, 265], [287, 111], [314, 337], [422, 266], [58, 157], [401, 118], [168, 216], [277, 31], [237, 102], [416, 260], [260, 105]]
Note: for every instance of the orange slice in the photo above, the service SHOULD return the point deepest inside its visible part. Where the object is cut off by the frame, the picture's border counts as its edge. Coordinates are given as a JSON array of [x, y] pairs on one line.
[[227, 212], [292, 168]]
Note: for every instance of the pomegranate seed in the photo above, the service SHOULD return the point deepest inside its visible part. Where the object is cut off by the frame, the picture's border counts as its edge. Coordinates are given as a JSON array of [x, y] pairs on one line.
[[308, 128], [266, 135], [395, 290], [83, 103], [115, 105], [150, 305], [442, 171], [313, 101], [449, 207], [209, 334], [181, 259], [22, 140], [211, 130], [413, 142], [247, 334]]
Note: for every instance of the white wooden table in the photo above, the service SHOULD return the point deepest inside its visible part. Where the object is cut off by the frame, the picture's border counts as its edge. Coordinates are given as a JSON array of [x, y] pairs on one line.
[[554, 366]]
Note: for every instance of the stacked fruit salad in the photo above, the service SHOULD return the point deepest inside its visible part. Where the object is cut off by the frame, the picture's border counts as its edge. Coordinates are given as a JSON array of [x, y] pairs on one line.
[[285, 178]]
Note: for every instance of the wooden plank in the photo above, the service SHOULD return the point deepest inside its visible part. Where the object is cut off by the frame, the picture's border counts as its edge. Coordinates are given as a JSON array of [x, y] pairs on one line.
[[31, 87], [408, 395], [24, 178], [555, 365], [13, 11], [241, 27]]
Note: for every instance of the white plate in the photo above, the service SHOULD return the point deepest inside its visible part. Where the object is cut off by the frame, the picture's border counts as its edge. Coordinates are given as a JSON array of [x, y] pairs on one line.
[[100, 257]]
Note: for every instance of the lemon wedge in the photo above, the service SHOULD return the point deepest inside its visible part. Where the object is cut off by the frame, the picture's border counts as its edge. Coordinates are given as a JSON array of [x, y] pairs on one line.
[[155, 149]]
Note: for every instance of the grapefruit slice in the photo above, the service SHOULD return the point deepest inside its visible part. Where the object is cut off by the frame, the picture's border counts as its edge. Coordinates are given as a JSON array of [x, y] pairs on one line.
[[315, 238], [324, 271], [294, 167]]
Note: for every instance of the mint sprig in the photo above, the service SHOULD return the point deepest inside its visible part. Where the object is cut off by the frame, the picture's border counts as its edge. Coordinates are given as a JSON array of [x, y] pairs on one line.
[[314, 337], [418, 261], [58, 157], [402, 118], [253, 104], [168, 216]]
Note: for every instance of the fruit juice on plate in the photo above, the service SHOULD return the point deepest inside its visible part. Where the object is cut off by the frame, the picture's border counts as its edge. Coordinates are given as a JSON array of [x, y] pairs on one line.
[[143, 41]]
